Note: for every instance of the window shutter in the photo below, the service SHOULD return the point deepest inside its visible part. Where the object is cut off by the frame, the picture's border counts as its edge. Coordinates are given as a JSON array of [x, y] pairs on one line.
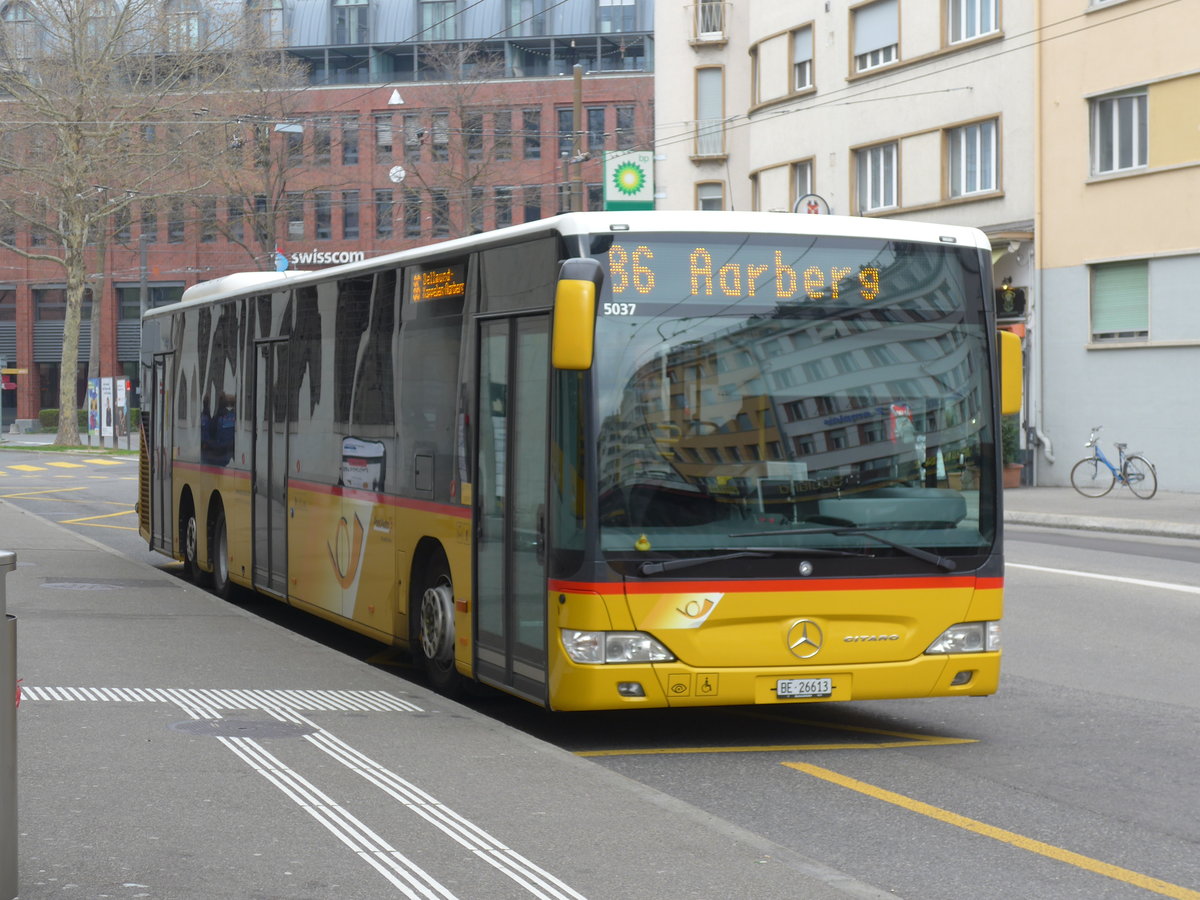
[[1120, 299]]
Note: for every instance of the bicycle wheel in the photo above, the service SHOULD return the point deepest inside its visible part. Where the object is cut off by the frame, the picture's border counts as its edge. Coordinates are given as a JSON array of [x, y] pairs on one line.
[[1140, 476], [1092, 478]]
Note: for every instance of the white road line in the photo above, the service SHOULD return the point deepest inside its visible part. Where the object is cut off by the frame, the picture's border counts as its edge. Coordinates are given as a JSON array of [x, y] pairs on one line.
[[286, 706], [534, 879], [1139, 582]]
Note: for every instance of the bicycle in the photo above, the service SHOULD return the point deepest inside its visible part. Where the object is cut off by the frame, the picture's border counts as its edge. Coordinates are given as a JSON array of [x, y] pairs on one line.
[[1094, 476]]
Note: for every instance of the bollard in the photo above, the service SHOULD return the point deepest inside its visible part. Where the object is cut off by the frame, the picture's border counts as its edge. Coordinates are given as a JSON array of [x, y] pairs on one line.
[[8, 736]]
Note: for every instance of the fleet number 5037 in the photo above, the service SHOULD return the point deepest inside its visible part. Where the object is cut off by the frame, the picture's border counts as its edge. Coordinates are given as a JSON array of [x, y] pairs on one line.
[[619, 309]]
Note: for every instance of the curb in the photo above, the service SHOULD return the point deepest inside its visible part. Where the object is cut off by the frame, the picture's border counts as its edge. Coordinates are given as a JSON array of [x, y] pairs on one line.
[[1097, 523]]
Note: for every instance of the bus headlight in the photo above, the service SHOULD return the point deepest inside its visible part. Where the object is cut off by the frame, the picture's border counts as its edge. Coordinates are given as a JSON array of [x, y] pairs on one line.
[[969, 637], [598, 647]]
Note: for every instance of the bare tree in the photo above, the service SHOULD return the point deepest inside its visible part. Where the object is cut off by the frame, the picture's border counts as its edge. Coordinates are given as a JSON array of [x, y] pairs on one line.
[[463, 152], [106, 103]]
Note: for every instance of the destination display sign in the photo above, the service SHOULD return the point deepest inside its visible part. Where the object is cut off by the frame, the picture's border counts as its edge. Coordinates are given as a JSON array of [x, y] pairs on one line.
[[441, 283], [773, 274]]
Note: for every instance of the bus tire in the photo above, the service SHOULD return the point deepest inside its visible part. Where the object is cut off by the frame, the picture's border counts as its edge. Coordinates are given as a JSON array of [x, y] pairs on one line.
[[218, 548], [435, 630], [189, 537]]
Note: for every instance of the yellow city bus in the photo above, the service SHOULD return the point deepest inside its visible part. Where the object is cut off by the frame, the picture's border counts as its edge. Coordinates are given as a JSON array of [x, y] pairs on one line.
[[608, 460]]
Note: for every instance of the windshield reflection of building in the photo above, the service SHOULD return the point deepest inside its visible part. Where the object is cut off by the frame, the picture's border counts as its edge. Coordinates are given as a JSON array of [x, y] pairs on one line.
[[814, 398]]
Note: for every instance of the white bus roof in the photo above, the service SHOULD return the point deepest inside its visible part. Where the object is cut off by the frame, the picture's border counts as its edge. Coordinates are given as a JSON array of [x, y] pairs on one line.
[[243, 283]]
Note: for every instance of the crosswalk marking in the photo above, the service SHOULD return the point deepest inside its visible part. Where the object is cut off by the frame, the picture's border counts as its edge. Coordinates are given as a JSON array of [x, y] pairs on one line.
[[67, 465], [25, 468]]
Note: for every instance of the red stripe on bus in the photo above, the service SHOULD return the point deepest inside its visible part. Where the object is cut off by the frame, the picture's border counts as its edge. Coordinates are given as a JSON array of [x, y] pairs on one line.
[[336, 490], [807, 584]]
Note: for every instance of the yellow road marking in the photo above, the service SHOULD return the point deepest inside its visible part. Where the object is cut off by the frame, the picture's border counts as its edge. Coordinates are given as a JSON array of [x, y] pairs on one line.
[[105, 462], [26, 468], [89, 520], [29, 494], [1137, 879], [66, 465]]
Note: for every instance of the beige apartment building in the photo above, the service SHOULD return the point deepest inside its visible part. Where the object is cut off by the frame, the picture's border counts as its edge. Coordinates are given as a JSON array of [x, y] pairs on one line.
[[1118, 119], [1067, 130], [914, 109]]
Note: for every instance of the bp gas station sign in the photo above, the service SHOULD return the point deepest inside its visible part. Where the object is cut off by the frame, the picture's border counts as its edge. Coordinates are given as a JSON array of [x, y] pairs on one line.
[[628, 179]]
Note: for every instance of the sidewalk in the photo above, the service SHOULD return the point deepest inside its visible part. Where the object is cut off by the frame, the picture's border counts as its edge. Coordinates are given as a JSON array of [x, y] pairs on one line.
[[1166, 514], [173, 746]]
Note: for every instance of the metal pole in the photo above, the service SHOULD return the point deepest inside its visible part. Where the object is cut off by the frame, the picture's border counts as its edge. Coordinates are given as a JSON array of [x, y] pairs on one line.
[[577, 145], [8, 737]]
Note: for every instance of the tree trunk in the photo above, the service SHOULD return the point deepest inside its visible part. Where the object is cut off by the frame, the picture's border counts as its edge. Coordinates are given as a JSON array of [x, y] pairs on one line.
[[68, 374]]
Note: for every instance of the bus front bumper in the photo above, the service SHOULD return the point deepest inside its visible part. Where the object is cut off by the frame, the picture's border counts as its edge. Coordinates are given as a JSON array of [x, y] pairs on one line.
[[582, 687]]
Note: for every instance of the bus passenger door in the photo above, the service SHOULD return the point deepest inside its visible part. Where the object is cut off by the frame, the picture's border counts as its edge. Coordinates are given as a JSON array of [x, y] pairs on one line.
[[510, 497], [162, 530], [270, 467]]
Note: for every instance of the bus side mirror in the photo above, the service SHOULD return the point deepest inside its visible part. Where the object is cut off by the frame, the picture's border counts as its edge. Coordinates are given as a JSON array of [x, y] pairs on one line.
[[1012, 373], [574, 337]]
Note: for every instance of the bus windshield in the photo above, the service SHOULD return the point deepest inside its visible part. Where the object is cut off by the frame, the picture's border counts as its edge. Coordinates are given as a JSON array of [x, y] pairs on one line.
[[785, 392]]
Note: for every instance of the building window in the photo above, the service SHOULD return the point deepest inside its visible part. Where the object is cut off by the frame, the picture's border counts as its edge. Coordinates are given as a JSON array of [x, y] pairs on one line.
[[877, 176], [531, 126], [1120, 302], [269, 16], [502, 134], [349, 140], [531, 200], [473, 135], [710, 195], [8, 304], [617, 16], [176, 222], [1119, 133], [322, 141], [876, 35], [526, 18], [350, 216], [149, 221], [412, 213], [710, 20], [183, 25], [129, 298], [802, 181], [970, 19], [293, 205], [710, 112], [383, 137], [439, 211], [235, 218], [293, 143], [122, 227], [566, 130], [323, 214], [504, 201], [595, 129], [50, 304], [802, 59], [972, 150], [441, 136], [625, 122], [414, 135], [384, 214], [351, 22], [208, 220], [437, 20]]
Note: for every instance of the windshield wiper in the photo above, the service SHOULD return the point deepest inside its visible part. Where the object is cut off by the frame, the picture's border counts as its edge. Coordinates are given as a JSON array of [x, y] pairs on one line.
[[935, 559], [669, 565]]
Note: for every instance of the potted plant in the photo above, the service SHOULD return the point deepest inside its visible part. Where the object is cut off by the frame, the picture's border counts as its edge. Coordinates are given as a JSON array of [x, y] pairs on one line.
[[1010, 449]]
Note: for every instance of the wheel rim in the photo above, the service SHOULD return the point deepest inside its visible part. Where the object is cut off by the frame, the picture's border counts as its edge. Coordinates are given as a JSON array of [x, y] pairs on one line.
[[190, 540], [437, 623], [221, 561]]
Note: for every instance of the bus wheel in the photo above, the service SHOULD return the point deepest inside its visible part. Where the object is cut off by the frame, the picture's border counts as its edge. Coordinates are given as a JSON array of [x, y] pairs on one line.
[[436, 633], [219, 548], [190, 536]]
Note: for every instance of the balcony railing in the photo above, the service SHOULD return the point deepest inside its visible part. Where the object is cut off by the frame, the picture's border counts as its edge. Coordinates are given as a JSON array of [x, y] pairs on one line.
[[710, 21]]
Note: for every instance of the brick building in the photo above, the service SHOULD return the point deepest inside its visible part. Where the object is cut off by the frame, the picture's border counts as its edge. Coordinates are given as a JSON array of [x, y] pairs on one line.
[[421, 121]]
